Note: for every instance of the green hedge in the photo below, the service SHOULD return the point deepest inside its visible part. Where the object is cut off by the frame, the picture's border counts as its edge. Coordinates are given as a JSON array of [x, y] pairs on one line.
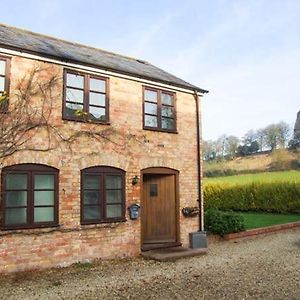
[[279, 197], [220, 173], [220, 222]]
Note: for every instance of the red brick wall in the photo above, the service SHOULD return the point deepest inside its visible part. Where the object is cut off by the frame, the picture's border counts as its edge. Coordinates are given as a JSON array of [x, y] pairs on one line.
[[72, 242]]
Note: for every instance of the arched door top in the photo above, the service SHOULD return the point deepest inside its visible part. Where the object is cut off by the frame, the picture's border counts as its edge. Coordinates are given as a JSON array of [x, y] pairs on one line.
[[159, 170]]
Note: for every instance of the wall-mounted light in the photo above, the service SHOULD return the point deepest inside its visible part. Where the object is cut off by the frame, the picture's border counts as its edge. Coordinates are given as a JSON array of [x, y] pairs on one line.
[[135, 180]]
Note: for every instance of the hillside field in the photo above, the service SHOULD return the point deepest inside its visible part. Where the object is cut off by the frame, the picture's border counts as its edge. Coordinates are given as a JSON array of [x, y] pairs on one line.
[[266, 177], [279, 160]]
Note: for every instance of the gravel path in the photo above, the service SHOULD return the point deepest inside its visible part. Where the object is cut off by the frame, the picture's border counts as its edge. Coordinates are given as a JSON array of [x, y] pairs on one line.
[[266, 267]]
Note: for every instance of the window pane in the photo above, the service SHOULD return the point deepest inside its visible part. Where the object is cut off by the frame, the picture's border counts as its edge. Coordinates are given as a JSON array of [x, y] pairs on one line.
[[113, 182], [91, 182], [43, 198], [2, 85], [97, 99], [97, 85], [113, 196], [150, 108], [166, 99], [91, 197], [16, 181], [74, 95], [73, 110], [2, 67], [167, 111], [97, 113], [44, 182], [43, 214], [75, 80], [151, 96], [150, 121], [91, 213], [16, 198], [167, 123], [114, 211], [15, 216], [153, 190]]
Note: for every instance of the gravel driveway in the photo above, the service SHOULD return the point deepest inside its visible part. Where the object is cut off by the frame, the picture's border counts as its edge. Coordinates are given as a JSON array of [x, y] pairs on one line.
[[266, 267]]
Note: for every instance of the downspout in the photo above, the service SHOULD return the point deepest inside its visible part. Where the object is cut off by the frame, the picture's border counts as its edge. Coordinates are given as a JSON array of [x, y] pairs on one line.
[[199, 165]]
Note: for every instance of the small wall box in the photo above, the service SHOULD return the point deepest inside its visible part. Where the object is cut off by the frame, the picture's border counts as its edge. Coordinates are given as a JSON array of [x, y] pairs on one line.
[[134, 211]]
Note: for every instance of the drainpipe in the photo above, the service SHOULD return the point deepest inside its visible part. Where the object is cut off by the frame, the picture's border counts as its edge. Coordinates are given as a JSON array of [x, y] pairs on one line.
[[199, 165]]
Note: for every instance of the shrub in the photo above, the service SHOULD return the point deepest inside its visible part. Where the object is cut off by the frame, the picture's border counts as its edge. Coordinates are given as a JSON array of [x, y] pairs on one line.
[[295, 164], [278, 197], [220, 222], [283, 159], [220, 172]]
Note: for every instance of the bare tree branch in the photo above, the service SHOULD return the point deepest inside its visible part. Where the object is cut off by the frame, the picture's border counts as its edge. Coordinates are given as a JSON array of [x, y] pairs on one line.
[[29, 114]]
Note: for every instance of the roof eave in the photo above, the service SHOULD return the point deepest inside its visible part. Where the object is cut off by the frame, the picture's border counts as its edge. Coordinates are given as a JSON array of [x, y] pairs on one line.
[[192, 88]]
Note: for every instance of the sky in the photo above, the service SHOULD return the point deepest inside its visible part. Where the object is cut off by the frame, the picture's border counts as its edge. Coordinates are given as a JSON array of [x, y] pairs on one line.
[[246, 53]]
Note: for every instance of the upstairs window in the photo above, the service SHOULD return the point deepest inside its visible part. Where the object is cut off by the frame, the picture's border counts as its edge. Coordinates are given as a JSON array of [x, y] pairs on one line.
[[30, 196], [159, 110], [4, 83], [102, 195], [86, 97]]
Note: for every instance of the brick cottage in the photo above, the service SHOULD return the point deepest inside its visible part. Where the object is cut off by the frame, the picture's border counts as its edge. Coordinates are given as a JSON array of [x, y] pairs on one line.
[[87, 134]]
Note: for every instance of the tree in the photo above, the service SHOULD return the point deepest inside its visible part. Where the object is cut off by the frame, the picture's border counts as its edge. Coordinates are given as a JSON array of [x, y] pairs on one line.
[[221, 146], [276, 135], [209, 151], [284, 133], [250, 137], [243, 150], [297, 128], [232, 143], [249, 144], [271, 136], [294, 143], [253, 147], [260, 138]]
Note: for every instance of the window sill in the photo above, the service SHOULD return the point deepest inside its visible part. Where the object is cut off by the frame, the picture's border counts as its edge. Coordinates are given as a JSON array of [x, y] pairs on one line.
[[112, 221], [160, 130], [86, 122], [28, 229]]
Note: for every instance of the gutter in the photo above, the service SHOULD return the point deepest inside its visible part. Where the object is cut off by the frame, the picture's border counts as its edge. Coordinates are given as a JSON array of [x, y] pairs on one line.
[[199, 167]]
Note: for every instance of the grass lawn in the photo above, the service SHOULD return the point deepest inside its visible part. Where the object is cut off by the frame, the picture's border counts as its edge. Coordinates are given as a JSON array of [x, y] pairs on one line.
[[256, 220], [284, 176]]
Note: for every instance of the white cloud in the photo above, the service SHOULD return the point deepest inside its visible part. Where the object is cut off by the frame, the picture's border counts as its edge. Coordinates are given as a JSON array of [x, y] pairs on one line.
[[147, 36]]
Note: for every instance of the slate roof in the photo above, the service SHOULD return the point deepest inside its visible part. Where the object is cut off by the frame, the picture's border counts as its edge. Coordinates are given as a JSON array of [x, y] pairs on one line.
[[27, 41]]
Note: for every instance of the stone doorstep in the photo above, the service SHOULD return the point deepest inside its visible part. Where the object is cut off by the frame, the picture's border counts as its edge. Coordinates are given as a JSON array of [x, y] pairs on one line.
[[173, 253], [263, 230]]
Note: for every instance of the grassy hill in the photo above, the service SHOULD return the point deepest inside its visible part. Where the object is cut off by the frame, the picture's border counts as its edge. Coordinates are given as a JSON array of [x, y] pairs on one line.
[[279, 160], [266, 177]]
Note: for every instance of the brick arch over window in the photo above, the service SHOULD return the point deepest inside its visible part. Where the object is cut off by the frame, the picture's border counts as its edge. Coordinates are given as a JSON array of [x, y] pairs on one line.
[[102, 195], [29, 196]]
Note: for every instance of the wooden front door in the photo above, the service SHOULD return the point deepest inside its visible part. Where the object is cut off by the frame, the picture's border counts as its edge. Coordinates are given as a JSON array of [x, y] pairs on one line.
[[159, 218]]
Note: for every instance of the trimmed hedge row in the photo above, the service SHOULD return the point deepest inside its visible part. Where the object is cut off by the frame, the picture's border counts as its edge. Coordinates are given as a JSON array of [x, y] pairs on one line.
[[277, 197], [220, 173]]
